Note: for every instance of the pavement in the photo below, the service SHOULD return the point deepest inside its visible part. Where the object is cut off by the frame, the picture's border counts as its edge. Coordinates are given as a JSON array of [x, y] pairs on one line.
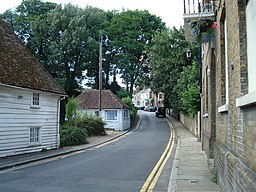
[[190, 171], [16, 160]]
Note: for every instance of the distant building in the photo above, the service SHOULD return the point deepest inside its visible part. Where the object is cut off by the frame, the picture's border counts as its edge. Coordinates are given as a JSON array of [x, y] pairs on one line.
[[114, 112], [146, 97]]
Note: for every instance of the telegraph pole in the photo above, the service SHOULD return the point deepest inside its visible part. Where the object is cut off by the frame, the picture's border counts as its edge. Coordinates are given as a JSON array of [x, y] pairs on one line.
[[100, 73]]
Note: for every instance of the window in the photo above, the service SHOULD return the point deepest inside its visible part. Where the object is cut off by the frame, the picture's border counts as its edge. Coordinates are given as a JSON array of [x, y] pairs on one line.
[[226, 61], [34, 135], [111, 114], [35, 102], [126, 113], [251, 41]]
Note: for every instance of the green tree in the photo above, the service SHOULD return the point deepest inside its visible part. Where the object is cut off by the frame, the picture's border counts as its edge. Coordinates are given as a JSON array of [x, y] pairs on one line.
[[129, 32], [166, 57], [188, 89]]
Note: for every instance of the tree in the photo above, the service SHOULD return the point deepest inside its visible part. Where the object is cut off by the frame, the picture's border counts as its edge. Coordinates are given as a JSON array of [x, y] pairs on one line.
[[166, 57], [129, 32], [64, 39], [188, 89]]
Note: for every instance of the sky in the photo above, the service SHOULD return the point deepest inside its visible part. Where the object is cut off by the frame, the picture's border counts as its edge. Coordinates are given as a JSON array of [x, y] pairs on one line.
[[170, 11]]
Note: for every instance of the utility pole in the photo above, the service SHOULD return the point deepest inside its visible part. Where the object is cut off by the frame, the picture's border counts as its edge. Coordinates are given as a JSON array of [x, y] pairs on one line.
[[100, 73]]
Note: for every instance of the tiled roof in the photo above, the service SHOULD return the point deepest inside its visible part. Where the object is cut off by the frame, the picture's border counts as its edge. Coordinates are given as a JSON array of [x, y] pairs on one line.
[[89, 99], [18, 66]]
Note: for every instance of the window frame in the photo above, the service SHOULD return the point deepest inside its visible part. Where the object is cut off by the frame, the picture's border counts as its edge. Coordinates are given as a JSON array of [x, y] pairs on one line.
[[35, 100], [126, 114], [114, 115], [34, 136]]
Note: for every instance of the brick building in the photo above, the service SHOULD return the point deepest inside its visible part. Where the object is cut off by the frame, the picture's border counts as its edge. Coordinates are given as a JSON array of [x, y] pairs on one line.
[[228, 98]]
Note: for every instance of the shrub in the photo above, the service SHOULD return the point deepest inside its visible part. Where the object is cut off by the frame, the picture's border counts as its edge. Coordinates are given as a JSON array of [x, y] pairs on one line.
[[133, 110], [93, 125], [71, 110], [72, 135]]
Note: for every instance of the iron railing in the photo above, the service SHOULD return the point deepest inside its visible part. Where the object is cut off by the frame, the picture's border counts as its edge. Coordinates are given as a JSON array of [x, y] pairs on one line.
[[197, 6]]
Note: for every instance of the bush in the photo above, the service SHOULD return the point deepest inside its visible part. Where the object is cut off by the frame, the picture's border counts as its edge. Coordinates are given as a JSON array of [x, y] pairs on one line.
[[72, 135], [93, 125], [133, 110]]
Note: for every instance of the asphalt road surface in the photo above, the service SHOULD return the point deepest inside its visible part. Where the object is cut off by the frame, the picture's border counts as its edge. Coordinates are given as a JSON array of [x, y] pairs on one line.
[[120, 166]]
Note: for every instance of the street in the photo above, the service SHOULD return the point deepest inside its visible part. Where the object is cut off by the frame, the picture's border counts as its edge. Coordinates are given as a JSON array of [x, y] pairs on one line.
[[123, 165]]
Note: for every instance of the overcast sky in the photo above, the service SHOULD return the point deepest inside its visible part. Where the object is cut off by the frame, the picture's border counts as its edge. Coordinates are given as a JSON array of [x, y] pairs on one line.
[[170, 11]]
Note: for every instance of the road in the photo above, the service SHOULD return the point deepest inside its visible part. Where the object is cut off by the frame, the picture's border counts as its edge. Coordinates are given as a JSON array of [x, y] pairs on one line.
[[120, 166]]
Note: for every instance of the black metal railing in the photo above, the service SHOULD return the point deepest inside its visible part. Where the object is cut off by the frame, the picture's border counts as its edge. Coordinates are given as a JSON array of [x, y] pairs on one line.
[[197, 6]]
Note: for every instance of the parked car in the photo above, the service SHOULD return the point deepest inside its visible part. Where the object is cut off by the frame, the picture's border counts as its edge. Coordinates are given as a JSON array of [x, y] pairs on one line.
[[152, 109], [146, 108], [160, 112]]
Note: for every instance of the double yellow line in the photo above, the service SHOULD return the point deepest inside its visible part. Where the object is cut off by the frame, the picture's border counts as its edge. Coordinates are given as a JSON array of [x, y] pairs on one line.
[[152, 179]]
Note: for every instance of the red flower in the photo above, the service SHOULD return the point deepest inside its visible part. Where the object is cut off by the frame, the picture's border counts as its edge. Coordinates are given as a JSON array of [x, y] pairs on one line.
[[215, 25]]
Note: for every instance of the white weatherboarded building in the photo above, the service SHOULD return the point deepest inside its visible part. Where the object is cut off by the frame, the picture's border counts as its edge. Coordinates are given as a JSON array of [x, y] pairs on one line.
[[114, 112], [29, 99]]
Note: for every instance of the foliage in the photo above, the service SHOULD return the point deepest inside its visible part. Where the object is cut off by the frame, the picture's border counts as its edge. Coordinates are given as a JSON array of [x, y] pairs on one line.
[[133, 110], [188, 89], [129, 32], [71, 109], [72, 135], [214, 177], [63, 38], [123, 94], [93, 125], [166, 57], [203, 29]]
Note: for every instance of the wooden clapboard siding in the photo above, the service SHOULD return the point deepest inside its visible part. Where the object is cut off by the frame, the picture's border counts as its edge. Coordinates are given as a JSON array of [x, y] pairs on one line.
[[17, 117]]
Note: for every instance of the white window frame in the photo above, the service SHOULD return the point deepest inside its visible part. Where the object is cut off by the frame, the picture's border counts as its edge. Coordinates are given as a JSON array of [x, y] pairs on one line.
[[35, 100], [34, 135], [250, 98], [111, 115], [224, 107], [251, 41], [126, 113]]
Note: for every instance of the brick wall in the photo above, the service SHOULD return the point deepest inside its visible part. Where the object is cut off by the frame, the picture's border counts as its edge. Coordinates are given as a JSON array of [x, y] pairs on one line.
[[235, 144]]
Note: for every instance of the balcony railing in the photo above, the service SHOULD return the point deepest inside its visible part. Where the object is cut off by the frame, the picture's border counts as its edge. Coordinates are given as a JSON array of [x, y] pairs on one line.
[[195, 10], [198, 6]]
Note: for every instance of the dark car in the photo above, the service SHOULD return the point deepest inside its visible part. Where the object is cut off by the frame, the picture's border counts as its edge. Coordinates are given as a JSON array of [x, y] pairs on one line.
[[160, 112]]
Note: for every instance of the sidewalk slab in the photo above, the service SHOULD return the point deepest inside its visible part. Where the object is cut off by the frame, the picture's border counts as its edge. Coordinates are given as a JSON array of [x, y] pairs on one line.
[[12, 161], [190, 171]]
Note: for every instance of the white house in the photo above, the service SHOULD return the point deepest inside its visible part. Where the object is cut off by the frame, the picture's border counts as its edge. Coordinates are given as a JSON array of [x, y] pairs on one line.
[[29, 99], [143, 98], [114, 112]]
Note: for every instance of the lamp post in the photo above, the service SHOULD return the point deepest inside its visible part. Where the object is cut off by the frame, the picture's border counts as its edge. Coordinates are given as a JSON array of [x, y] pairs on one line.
[[189, 58]]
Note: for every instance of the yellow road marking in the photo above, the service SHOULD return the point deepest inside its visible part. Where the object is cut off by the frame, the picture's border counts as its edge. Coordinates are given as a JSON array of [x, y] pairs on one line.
[[156, 172]]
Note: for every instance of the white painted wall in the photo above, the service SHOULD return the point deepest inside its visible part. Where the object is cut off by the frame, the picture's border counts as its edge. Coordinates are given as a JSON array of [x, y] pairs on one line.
[[17, 116], [119, 124]]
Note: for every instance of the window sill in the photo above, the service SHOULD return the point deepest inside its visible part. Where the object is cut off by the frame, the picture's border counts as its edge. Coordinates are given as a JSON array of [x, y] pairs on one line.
[[223, 108], [34, 144], [248, 99], [35, 107], [205, 115]]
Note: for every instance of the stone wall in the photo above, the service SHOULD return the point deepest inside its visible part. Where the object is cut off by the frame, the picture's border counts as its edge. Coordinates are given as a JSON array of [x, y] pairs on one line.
[[191, 123]]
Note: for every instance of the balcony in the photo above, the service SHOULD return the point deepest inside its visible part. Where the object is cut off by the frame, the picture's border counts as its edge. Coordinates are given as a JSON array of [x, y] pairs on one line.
[[195, 10]]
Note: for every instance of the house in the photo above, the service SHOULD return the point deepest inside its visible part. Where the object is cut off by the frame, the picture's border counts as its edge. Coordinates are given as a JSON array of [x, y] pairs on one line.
[[146, 97], [114, 112], [228, 101], [29, 99]]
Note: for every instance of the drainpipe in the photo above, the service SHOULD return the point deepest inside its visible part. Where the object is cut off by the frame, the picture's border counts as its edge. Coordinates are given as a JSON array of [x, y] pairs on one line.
[[58, 121], [201, 95]]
